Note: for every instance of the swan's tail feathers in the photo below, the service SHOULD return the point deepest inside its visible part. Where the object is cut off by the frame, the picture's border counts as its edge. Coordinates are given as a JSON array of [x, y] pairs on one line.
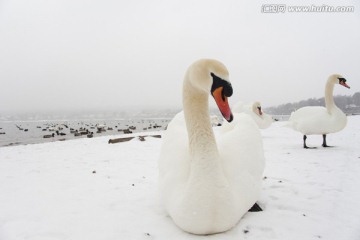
[[255, 208]]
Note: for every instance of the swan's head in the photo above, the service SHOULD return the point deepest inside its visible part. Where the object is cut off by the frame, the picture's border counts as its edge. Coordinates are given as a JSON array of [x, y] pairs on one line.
[[257, 108], [340, 80], [211, 76], [221, 89]]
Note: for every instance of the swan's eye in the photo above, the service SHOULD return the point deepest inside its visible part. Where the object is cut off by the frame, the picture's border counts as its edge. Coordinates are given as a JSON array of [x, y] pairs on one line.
[[342, 80], [219, 82]]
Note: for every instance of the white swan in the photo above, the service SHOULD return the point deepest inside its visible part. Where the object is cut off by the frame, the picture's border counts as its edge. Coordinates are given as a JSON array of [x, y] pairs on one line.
[[208, 185], [319, 120], [262, 119]]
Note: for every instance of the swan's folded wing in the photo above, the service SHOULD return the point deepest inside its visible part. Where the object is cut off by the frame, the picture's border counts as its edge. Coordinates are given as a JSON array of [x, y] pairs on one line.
[[174, 157], [241, 147], [174, 149], [311, 120], [241, 151]]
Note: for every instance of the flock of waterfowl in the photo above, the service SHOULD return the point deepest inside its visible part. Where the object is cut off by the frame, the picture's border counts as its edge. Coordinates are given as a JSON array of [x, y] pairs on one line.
[[208, 180], [60, 131]]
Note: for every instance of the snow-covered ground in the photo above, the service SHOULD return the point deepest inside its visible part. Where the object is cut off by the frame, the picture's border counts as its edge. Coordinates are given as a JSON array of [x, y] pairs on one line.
[[89, 189]]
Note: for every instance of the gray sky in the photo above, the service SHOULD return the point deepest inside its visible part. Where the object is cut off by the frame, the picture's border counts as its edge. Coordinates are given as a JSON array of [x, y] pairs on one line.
[[114, 55]]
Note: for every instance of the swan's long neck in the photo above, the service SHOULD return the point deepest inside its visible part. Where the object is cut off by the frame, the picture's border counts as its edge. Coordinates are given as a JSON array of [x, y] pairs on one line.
[[329, 99], [202, 144]]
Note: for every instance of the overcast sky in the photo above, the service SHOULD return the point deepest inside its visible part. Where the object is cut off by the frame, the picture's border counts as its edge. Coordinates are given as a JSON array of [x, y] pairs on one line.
[[114, 55]]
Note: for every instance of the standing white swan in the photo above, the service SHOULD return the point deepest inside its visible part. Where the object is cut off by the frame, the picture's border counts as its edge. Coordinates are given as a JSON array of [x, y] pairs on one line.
[[319, 120], [262, 119], [208, 185]]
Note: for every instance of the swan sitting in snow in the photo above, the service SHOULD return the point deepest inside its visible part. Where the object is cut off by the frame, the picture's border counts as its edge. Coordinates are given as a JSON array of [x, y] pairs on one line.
[[208, 184], [262, 119], [320, 120]]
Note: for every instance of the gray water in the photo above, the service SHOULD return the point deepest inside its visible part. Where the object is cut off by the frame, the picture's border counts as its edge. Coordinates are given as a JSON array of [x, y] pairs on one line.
[[28, 132]]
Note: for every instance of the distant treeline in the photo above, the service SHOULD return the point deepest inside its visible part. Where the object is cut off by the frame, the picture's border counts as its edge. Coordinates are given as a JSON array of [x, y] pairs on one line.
[[349, 104]]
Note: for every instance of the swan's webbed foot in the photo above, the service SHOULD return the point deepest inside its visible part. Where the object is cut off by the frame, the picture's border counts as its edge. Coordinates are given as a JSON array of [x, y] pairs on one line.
[[324, 145], [255, 208]]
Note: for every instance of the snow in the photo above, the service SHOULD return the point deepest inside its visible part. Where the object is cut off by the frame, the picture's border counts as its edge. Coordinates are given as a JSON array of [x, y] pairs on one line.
[[89, 189]]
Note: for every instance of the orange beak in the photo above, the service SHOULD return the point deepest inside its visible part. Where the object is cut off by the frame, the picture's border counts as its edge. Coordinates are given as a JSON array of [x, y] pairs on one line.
[[222, 103]]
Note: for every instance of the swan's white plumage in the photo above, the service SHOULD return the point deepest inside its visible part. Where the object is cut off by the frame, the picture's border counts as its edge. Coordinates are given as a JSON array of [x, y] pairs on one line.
[[320, 120], [207, 185], [263, 121], [248, 150], [317, 120]]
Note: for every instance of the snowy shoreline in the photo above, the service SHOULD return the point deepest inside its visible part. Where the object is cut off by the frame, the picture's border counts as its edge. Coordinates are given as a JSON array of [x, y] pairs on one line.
[[89, 189]]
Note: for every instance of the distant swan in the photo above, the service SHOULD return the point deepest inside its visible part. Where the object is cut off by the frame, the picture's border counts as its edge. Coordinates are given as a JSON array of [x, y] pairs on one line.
[[207, 185], [319, 120], [262, 119]]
